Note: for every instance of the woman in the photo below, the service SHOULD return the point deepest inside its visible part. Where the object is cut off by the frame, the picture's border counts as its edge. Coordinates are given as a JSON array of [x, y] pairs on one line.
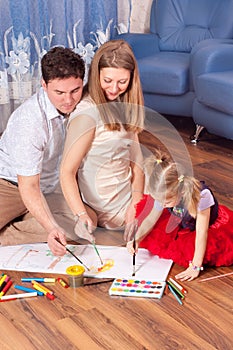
[[101, 172]]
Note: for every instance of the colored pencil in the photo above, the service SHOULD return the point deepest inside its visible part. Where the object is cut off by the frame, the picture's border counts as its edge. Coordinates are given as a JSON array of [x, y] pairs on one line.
[[176, 289], [68, 250], [181, 288], [219, 276], [175, 295]]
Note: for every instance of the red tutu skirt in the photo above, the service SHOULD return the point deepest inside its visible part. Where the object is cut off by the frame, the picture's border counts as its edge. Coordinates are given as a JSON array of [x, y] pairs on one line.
[[178, 243]]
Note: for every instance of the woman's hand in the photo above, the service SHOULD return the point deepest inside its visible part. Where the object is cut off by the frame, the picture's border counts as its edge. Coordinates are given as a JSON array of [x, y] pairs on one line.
[[130, 230], [130, 213], [84, 228], [132, 247], [131, 223], [188, 275]]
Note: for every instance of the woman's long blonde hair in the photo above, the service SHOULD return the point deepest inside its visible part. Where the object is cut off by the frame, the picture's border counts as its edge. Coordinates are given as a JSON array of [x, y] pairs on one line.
[[128, 109], [166, 178]]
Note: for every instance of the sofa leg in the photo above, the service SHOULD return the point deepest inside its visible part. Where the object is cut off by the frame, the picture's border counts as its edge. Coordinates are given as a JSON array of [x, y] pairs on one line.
[[195, 137]]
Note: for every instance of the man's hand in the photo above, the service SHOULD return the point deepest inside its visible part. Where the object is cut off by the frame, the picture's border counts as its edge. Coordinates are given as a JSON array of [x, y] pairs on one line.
[[57, 241]]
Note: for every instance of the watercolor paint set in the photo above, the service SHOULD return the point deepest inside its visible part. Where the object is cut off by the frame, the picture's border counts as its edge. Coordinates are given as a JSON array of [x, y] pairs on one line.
[[137, 288]]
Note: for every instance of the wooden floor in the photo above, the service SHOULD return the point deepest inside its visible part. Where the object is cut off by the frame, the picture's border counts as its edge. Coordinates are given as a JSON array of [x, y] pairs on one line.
[[87, 318]]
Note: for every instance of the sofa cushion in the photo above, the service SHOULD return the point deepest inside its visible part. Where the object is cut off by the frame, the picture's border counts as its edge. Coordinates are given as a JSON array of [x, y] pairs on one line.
[[216, 90], [165, 73], [181, 24]]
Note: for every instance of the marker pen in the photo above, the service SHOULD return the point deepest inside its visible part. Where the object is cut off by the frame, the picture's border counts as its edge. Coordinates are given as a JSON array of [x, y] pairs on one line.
[[5, 289], [29, 290], [40, 279], [17, 296]]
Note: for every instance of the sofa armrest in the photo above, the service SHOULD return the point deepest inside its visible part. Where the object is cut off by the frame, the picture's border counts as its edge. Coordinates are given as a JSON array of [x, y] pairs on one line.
[[209, 42], [213, 58], [143, 44]]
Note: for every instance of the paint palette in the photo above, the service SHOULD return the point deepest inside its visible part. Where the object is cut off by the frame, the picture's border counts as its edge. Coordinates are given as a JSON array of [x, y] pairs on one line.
[[137, 288]]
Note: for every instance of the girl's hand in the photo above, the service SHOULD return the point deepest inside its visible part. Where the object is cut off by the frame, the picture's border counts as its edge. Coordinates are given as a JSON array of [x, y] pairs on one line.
[[84, 228], [130, 247], [188, 275]]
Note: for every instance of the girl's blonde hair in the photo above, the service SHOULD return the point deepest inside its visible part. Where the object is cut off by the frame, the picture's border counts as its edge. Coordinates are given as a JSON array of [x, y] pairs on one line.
[[130, 112], [167, 179]]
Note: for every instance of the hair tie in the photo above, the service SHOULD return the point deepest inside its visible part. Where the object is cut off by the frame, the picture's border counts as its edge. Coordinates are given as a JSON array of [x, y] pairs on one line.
[[158, 161], [181, 178]]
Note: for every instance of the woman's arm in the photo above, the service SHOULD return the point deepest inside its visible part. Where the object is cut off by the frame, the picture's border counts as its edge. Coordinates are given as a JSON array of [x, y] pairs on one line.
[[138, 177], [144, 229], [137, 185], [79, 138]]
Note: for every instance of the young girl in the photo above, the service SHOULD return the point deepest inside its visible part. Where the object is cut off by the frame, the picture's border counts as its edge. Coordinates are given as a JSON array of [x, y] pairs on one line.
[[102, 146], [181, 220]]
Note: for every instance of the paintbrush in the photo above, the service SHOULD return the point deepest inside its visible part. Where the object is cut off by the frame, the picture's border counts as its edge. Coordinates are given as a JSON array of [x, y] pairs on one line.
[[68, 250], [134, 254], [97, 252]]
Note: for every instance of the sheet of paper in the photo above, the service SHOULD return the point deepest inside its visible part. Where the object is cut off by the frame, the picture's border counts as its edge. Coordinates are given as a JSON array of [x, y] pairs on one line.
[[39, 258]]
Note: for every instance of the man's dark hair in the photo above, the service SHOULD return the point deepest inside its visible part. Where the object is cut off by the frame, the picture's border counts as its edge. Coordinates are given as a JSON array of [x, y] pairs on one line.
[[61, 63]]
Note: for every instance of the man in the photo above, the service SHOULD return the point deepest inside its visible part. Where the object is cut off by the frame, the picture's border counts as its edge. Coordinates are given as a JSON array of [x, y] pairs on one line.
[[30, 152]]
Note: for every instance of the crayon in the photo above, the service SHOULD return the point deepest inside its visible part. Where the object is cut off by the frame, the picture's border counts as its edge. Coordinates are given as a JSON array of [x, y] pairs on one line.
[[44, 279]]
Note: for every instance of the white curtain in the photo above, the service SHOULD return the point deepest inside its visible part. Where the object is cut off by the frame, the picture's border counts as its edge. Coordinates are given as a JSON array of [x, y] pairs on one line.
[[29, 28]]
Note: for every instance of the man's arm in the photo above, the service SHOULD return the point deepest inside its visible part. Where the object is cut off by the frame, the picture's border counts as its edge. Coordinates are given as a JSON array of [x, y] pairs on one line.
[[33, 198]]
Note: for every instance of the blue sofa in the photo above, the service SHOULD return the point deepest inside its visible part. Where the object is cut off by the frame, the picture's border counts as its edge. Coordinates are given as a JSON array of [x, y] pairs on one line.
[[178, 28], [212, 71]]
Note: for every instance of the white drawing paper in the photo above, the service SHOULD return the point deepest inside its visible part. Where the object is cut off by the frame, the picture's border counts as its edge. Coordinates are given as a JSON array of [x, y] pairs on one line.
[[38, 258]]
